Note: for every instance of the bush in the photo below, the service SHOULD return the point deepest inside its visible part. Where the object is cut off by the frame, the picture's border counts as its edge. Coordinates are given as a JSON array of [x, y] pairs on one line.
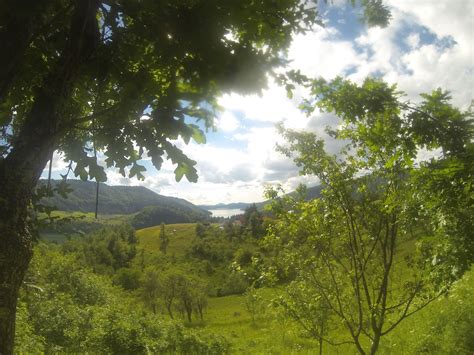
[[65, 307], [128, 279]]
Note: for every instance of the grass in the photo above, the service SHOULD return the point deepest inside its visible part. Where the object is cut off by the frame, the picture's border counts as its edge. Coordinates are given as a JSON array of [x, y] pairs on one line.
[[273, 334], [180, 237], [90, 217], [53, 237], [228, 315], [79, 221]]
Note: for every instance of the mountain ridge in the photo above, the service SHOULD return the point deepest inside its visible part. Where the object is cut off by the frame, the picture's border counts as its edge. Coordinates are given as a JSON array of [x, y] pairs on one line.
[[226, 206], [311, 193], [117, 199]]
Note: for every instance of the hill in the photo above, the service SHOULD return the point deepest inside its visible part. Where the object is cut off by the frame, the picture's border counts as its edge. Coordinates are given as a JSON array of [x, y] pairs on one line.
[[120, 200], [311, 193], [226, 206]]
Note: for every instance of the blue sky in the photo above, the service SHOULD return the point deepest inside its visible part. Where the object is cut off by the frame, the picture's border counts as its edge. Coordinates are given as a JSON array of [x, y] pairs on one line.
[[428, 44]]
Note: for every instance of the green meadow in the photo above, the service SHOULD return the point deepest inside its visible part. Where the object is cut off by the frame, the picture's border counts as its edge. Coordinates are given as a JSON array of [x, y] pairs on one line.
[[271, 333]]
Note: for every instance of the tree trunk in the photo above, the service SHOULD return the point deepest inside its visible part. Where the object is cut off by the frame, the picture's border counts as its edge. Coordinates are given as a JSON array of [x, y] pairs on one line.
[[15, 254], [19, 173], [168, 307], [21, 169], [321, 337], [188, 313], [375, 344]]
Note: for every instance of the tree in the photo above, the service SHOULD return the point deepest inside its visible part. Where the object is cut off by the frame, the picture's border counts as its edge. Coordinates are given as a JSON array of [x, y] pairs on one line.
[[170, 291], [200, 298], [200, 230], [254, 221], [352, 249], [301, 305], [151, 289], [254, 303], [185, 297], [164, 239], [122, 79]]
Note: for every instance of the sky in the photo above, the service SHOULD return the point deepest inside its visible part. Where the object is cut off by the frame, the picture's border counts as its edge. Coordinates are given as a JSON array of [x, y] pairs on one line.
[[428, 44]]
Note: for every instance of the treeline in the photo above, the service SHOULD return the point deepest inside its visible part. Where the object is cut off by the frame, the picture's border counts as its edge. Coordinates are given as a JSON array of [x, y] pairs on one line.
[[154, 215]]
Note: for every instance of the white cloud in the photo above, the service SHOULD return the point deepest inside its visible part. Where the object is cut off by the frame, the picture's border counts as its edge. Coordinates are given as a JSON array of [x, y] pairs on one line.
[[425, 66], [271, 106], [227, 122], [321, 53], [59, 166]]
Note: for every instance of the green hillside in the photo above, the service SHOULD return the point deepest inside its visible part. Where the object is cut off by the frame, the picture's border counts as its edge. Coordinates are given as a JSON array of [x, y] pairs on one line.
[[118, 199], [181, 237], [272, 333]]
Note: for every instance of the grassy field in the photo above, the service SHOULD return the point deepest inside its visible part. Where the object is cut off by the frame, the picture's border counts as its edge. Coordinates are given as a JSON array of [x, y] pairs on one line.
[[90, 217], [268, 334], [228, 315], [79, 221], [271, 333], [180, 237]]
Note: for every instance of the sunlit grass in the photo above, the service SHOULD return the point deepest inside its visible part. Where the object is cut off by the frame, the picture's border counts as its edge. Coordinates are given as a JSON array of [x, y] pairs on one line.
[[180, 238], [271, 333]]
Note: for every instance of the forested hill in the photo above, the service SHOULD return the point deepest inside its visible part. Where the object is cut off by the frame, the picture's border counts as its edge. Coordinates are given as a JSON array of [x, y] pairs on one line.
[[311, 193], [118, 199], [226, 206]]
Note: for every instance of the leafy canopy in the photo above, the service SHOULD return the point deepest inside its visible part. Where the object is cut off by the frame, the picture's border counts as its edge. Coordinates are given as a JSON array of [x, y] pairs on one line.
[[155, 67], [350, 254]]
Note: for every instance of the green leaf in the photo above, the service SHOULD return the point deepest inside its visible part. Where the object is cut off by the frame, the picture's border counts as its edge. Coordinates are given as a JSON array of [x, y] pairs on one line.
[[136, 170], [198, 135]]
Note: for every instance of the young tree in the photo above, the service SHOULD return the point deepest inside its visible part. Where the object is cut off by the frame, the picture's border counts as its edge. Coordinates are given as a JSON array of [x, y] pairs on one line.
[[254, 221], [171, 282], [164, 239], [185, 297], [118, 78], [200, 298], [254, 303], [151, 289], [301, 305], [353, 247], [200, 230]]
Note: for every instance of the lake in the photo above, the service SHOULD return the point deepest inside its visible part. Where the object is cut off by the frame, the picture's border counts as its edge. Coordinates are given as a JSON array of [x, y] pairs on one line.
[[226, 212]]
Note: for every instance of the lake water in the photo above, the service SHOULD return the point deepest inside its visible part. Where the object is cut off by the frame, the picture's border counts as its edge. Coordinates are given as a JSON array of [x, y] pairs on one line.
[[226, 212]]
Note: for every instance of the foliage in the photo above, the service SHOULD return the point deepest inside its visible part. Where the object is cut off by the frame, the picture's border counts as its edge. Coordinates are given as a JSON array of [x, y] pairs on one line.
[[129, 65], [254, 303], [126, 322], [164, 239], [254, 221], [107, 249], [122, 81], [64, 307], [450, 324], [200, 230], [213, 248], [155, 215], [151, 289], [343, 248], [127, 278]]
